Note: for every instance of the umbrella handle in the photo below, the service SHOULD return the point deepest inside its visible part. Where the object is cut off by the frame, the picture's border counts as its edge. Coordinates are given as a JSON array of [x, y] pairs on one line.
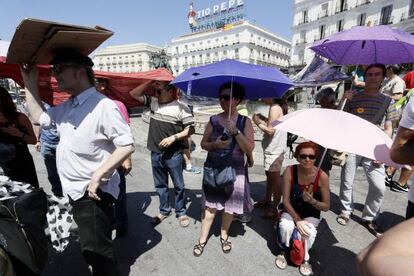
[[231, 96], [320, 162]]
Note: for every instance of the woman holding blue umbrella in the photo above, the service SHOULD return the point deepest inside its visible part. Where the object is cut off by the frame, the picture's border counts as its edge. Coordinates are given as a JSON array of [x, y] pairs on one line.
[[227, 131]]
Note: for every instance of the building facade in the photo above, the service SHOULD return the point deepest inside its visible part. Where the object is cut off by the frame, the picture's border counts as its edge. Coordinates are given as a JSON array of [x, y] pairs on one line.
[[241, 41], [127, 58], [317, 19]]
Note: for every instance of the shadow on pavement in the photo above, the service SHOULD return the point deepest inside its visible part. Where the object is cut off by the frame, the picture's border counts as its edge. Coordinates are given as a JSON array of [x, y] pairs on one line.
[[328, 259], [141, 237]]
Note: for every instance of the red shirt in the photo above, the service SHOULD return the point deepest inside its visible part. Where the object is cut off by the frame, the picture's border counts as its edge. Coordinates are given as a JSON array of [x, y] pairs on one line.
[[409, 80]]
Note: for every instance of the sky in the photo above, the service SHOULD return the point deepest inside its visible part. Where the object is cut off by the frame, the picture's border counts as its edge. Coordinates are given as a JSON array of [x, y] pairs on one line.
[[134, 21]]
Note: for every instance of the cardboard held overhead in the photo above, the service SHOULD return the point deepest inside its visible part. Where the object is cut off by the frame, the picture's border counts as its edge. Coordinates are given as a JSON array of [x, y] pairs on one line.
[[34, 40]]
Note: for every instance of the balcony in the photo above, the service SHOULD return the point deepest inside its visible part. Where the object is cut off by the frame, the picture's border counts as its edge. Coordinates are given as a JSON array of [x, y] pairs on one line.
[[339, 9], [387, 21], [303, 21], [301, 41], [323, 14], [363, 2]]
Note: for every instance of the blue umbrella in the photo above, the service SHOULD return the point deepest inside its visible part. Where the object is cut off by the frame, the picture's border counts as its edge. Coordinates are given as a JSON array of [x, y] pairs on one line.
[[258, 81]]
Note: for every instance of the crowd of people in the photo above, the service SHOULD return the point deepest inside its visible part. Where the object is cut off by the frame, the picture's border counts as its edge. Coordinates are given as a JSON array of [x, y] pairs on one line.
[[86, 144]]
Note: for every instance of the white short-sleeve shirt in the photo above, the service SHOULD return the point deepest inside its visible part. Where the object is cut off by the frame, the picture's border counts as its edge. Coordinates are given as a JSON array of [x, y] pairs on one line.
[[90, 128], [407, 121]]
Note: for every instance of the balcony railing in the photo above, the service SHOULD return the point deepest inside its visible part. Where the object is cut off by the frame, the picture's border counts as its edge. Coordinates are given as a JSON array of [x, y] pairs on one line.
[[323, 14], [301, 41], [387, 21], [303, 21], [363, 2], [338, 8]]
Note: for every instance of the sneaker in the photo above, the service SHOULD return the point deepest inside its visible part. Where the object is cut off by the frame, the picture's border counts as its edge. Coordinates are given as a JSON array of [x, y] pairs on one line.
[[372, 228], [388, 180], [396, 187], [193, 170], [245, 218]]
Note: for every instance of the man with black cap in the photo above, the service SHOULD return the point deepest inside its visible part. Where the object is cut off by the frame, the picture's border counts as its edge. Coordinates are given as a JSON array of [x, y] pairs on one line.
[[94, 141]]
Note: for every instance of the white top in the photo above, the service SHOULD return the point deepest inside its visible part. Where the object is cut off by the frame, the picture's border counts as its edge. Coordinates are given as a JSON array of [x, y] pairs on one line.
[[392, 86], [407, 121], [275, 144], [90, 128]]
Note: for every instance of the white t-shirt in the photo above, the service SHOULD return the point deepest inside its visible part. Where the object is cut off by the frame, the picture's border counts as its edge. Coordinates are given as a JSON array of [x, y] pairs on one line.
[[392, 86], [407, 121]]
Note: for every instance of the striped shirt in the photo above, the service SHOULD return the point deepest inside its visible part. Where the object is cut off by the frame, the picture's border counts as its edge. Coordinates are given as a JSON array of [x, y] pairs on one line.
[[166, 120], [367, 106]]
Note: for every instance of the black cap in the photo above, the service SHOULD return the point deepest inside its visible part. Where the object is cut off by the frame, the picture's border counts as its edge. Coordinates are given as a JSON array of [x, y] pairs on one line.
[[70, 55]]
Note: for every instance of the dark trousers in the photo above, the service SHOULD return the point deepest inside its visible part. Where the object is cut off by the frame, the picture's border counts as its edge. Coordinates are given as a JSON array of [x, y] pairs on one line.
[[121, 215], [94, 220], [410, 211]]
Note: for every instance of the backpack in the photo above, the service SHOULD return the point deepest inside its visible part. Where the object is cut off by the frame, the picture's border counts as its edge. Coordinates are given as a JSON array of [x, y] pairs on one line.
[[22, 225], [297, 249]]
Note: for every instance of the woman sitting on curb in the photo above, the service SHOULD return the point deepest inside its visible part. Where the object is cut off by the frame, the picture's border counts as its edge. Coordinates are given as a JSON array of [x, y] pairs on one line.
[[305, 195]]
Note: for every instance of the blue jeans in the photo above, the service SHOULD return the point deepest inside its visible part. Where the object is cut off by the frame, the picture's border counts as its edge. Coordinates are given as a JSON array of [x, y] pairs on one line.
[[48, 153], [121, 215], [172, 164]]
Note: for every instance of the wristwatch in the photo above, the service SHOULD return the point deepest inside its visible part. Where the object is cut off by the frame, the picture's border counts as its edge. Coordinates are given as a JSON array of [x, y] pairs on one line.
[[237, 133]]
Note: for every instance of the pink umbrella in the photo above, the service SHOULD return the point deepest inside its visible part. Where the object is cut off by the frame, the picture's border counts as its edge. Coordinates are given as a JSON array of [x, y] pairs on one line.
[[340, 131]]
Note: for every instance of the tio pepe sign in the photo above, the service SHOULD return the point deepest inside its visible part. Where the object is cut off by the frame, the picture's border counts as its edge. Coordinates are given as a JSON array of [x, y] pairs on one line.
[[218, 9]]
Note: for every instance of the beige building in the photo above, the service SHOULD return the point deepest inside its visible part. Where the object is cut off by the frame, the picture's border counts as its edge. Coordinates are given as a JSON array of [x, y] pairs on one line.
[[242, 41], [127, 58]]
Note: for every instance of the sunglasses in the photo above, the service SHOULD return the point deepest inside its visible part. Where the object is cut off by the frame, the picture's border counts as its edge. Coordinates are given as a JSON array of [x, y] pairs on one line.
[[59, 68], [224, 97], [309, 156]]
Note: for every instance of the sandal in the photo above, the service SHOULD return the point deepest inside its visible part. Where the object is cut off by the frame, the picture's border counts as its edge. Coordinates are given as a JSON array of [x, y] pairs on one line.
[[199, 248], [262, 204], [225, 245], [342, 219], [158, 219], [280, 261], [305, 269]]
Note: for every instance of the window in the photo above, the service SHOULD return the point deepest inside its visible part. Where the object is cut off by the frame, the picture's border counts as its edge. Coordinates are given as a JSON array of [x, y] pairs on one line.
[[321, 31], [340, 25], [411, 12], [324, 10], [305, 17], [361, 19], [302, 38], [386, 15]]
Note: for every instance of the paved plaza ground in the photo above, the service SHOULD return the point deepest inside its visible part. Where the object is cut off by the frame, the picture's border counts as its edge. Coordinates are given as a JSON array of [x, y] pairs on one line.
[[167, 248]]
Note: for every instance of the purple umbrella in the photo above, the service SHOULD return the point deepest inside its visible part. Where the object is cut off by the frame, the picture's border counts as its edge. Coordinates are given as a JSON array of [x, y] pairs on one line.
[[258, 81], [367, 45]]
